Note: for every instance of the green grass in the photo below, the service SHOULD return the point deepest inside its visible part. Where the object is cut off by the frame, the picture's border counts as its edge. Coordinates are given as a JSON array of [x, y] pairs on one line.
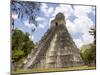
[[54, 70]]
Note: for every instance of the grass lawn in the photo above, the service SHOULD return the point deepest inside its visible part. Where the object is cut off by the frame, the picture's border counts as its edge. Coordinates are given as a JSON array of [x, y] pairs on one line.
[[53, 70]]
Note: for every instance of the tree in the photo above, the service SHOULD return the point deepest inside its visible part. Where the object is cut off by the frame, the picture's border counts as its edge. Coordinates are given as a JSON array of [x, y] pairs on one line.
[[88, 52], [17, 54], [25, 9], [93, 32], [17, 39], [21, 45]]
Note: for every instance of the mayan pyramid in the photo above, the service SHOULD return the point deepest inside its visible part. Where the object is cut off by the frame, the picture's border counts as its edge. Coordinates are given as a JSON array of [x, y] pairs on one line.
[[56, 49]]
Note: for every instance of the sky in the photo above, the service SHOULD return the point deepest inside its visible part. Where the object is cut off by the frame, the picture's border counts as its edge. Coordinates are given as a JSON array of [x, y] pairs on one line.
[[79, 20]]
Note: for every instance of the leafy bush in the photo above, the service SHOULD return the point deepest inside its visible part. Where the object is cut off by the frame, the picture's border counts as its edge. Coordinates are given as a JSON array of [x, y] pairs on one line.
[[17, 54], [88, 54]]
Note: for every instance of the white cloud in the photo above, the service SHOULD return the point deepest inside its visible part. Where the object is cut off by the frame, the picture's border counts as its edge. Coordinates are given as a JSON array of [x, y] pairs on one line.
[[81, 24], [65, 9], [87, 38], [21, 29], [26, 23], [50, 10], [82, 10], [40, 19], [70, 26], [46, 10], [78, 42], [31, 37], [43, 6], [41, 26], [15, 16], [51, 20]]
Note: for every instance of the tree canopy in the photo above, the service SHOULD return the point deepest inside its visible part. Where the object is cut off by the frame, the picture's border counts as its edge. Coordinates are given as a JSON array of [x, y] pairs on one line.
[[88, 52], [25, 9], [21, 44]]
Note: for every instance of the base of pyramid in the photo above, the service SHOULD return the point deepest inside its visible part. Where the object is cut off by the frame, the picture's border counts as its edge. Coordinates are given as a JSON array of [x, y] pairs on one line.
[[60, 62]]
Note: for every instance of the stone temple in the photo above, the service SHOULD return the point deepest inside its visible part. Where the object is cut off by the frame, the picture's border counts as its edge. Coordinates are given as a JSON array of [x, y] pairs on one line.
[[56, 49]]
